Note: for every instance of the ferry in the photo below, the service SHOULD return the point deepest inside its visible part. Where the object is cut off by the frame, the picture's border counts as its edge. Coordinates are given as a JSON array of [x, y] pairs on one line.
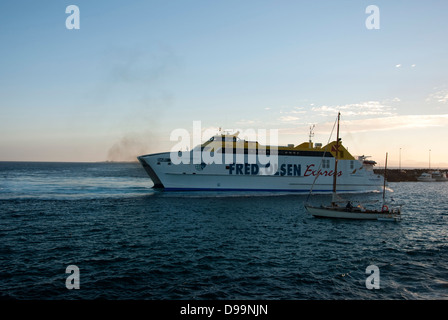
[[234, 164]]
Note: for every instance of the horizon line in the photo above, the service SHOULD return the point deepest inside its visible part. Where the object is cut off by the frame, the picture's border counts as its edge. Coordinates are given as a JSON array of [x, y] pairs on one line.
[[136, 161]]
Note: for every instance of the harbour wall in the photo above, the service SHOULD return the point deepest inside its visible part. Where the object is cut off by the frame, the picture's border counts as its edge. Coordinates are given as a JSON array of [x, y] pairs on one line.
[[397, 175]]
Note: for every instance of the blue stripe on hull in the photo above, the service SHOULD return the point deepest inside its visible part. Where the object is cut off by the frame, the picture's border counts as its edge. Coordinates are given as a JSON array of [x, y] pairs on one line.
[[267, 190]]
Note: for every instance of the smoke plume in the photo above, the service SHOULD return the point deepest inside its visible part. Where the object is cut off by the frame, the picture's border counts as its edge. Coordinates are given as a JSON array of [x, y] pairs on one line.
[[129, 147]]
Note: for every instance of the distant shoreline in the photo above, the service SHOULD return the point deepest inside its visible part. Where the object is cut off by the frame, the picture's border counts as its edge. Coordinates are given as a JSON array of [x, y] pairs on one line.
[[393, 175], [404, 175], [42, 161]]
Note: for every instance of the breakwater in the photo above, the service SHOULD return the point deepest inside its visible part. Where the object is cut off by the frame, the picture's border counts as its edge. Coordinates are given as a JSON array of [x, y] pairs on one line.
[[397, 175]]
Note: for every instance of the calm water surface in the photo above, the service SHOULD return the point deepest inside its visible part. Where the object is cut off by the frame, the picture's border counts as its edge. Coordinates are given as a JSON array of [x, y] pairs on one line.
[[131, 242]]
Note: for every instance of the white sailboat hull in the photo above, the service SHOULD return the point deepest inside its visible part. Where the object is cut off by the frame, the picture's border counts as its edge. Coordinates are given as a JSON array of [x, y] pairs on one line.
[[349, 212], [341, 213]]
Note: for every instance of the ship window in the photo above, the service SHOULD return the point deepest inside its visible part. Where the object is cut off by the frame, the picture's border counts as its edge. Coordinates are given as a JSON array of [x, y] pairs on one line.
[[326, 163], [352, 165]]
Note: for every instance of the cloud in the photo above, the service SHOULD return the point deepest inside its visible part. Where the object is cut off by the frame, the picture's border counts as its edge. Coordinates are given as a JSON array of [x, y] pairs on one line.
[[244, 122], [288, 118], [367, 108], [405, 66], [291, 114], [397, 122], [297, 110], [440, 96]]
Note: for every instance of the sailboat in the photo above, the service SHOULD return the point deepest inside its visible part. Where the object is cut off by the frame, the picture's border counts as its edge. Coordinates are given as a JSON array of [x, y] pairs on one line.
[[349, 211]]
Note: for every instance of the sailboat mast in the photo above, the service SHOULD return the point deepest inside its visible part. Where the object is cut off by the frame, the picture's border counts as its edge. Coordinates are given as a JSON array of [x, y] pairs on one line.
[[336, 159], [337, 154], [385, 175]]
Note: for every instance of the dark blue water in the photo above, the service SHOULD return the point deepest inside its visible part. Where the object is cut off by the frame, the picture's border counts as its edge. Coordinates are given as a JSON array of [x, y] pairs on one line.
[[131, 242]]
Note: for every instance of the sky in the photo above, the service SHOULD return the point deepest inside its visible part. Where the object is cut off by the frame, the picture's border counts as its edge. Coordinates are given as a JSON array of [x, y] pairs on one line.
[[135, 71]]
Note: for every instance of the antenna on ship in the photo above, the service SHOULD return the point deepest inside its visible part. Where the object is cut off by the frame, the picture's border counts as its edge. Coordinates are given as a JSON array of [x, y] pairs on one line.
[[311, 135]]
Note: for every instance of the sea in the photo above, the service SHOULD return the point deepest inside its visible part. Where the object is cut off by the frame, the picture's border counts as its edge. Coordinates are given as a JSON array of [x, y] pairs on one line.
[[87, 231]]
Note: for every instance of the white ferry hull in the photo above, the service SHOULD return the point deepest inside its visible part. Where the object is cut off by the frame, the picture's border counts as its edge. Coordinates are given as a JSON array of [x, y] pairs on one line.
[[292, 174]]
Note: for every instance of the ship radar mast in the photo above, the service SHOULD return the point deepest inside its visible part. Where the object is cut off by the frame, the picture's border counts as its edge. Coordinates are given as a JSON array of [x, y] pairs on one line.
[[311, 135]]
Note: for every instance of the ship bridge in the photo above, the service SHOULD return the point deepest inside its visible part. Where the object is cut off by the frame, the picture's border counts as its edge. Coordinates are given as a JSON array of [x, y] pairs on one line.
[[222, 143]]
